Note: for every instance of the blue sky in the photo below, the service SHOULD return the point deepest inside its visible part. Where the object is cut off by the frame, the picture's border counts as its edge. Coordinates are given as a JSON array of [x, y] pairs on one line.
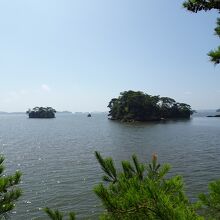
[[77, 55]]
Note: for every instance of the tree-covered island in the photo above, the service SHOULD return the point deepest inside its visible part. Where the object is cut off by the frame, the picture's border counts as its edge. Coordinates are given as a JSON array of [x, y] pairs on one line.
[[41, 112], [138, 106]]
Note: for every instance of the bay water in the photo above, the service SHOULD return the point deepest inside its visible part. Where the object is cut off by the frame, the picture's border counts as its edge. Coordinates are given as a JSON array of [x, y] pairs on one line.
[[56, 156]]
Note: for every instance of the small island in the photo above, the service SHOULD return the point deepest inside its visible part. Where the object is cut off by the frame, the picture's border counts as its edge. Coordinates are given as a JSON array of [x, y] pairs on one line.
[[211, 116], [41, 112], [133, 106], [215, 116]]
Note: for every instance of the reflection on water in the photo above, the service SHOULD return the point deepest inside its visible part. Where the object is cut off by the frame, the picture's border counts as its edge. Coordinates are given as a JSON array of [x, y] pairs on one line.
[[59, 168]]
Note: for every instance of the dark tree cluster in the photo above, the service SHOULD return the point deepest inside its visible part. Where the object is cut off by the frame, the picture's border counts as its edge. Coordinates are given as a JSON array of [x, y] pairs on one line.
[[138, 106], [41, 112]]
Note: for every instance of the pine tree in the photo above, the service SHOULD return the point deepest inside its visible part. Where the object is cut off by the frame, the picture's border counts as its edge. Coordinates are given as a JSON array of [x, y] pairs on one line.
[[142, 191], [210, 203], [206, 5], [9, 193], [57, 215]]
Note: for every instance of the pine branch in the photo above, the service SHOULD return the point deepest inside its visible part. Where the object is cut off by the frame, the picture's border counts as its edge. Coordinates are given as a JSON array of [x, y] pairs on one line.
[[54, 214], [150, 197], [201, 5], [211, 201], [57, 215], [8, 191], [128, 169], [205, 5], [215, 56], [104, 195], [1, 159], [72, 216], [139, 167], [163, 171], [108, 167], [217, 29]]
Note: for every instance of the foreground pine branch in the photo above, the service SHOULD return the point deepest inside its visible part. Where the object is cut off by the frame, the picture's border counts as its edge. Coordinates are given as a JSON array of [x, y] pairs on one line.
[[9, 193], [57, 215], [207, 5], [141, 191]]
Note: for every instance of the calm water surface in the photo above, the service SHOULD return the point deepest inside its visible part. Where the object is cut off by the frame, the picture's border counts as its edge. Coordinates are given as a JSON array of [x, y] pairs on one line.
[[56, 156]]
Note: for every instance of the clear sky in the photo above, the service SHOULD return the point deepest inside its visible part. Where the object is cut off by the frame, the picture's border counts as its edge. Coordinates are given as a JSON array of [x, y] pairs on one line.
[[77, 55]]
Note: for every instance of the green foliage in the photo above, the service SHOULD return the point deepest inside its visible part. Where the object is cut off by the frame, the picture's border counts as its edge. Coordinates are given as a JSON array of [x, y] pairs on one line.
[[41, 112], [211, 202], [108, 167], [200, 5], [9, 193], [57, 215], [138, 106], [215, 55], [141, 191], [206, 5], [217, 29]]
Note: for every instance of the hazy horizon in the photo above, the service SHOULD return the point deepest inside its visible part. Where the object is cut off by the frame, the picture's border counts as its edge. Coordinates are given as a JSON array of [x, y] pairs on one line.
[[78, 55], [106, 112]]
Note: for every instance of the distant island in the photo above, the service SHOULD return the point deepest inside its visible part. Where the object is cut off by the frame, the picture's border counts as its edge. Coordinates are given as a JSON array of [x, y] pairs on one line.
[[11, 113], [215, 116], [210, 116], [138, 106], [1, 112], [6, 113], [41, 112]]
